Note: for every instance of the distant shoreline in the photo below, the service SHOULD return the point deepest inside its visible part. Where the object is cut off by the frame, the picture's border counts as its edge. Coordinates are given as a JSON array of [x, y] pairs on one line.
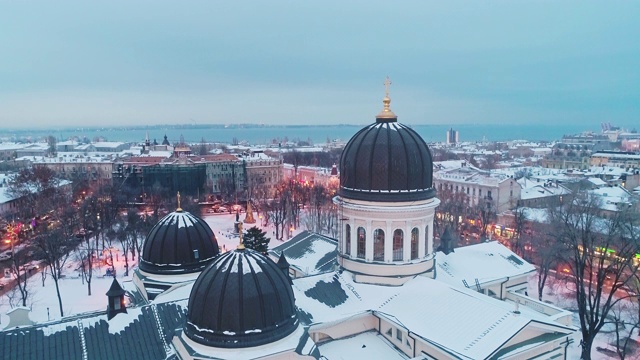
[[258, 134]]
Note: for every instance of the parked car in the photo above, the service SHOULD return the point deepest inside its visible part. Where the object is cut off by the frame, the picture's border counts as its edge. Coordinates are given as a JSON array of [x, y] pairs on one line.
[[6, 255]]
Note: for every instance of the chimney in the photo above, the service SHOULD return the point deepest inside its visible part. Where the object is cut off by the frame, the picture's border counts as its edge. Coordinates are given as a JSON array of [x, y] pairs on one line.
[[19, 316]]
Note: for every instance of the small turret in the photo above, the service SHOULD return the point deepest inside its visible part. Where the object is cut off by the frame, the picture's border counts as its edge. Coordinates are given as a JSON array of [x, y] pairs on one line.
[[116, 300], [447, 243], [283, 265]]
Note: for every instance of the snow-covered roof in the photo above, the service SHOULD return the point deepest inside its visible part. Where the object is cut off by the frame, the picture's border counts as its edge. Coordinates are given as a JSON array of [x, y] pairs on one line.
[[71, 157], [597, 181], [140, 333], [4, 190], [536, 215], [439, 317], [367, 345], [108, 144], [11, 146], [309, 252], [612, 197], [470, 175], [539, 191], [485, 262], [617, 155]]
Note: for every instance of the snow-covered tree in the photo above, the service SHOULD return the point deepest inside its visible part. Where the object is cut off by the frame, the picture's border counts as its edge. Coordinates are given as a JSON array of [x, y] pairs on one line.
[[254, 238]]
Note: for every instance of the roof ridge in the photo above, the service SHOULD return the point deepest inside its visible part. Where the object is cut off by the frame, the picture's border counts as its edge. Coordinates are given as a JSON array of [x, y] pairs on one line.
[[83, 341], [156, 317]]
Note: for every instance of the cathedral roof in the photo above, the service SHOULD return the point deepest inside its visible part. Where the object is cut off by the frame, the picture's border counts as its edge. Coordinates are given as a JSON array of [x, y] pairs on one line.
[[241, 300], [179, 243], [386, 161]]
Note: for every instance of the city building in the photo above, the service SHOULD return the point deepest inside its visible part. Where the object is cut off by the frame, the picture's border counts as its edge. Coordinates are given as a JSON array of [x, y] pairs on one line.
[[96, 169], [452, 137], [9, 151], [263, 173], [500, 190], [226, 173], [615, 158]]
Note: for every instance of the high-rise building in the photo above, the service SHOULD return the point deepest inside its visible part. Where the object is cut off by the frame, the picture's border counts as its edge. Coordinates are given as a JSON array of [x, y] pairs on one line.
[[452, 137]]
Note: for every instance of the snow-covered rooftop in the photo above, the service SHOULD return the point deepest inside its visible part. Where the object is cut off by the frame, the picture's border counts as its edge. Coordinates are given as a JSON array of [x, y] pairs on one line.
[[367, 345], [488, 323], [485, 262]]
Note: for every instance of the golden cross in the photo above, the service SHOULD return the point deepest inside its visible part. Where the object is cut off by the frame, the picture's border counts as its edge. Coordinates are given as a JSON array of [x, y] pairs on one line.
[[387, 82]]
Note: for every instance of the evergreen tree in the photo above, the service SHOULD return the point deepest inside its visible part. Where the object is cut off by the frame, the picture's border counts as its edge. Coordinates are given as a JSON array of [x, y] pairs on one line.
[[254, 238]]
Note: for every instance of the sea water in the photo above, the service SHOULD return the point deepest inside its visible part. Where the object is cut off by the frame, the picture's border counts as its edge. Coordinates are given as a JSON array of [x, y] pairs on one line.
[[274, 134]]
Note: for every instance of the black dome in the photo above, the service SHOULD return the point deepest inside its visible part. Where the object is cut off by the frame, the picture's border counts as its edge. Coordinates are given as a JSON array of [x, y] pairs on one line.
[[386, 161], [179, 243], [241, 300]]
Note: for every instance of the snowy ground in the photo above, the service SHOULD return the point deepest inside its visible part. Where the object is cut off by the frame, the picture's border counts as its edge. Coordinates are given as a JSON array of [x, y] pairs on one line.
[[559, 293], [44, 303]]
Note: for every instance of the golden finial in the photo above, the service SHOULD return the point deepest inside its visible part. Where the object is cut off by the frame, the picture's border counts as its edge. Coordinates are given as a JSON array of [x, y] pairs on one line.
[[179, 209], [386, 112], [241, 245]]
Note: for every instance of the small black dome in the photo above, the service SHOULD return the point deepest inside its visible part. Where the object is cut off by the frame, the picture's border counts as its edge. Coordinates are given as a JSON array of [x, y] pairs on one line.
[[179, 243], [241, 300], [386, 161]]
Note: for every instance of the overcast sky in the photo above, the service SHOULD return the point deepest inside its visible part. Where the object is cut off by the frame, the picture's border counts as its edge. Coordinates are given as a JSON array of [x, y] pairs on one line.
[[297, 62]]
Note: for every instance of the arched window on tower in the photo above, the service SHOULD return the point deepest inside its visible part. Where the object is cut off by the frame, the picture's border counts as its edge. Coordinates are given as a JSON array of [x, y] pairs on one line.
[[426, 240], [398, 245], [347, 239], [378, 245], [362, 242], [415, 233]]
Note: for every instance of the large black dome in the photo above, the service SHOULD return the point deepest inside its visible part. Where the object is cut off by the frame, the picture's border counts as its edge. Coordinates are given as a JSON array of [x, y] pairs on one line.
[[241, 300], [179, 243], [386, 161]]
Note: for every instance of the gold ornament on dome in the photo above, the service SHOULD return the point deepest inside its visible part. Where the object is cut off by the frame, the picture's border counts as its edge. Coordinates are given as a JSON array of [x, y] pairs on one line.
[[386, 112]]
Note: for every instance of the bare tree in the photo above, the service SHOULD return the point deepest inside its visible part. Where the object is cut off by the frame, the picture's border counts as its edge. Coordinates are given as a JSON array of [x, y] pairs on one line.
[[519, 221], [542, 239], [19, 270], [134, 226], [33, 186], [321, 216], [85, 255], [599, 253], [623, 327], [56, 243], [123, 235], [485, 210], [55, 249], [454, 207], [278, 210]]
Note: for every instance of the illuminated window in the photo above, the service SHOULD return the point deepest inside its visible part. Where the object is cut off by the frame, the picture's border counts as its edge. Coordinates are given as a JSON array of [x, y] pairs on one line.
[[398, 245], [362, 242], [378, 245]]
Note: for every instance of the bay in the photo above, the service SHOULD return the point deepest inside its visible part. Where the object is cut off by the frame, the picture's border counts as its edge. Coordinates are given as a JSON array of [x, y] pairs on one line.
[[274, 134]]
